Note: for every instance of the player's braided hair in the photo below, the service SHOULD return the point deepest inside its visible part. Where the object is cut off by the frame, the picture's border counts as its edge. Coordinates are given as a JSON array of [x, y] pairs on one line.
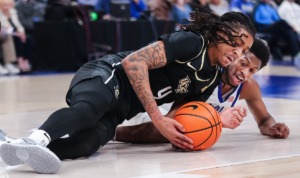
[[208, 24], [261, 50]]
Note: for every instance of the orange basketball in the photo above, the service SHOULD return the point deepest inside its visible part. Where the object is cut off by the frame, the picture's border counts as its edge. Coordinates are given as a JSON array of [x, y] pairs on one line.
[[202, 123]]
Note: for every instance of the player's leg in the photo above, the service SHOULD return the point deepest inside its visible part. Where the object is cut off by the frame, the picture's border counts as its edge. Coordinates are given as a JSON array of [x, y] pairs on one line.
[[142, 133], [83, 143], [87, 142], [90, 100]]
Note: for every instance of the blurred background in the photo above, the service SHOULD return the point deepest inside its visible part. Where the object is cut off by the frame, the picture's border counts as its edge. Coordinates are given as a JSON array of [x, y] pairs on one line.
[[60, 35]]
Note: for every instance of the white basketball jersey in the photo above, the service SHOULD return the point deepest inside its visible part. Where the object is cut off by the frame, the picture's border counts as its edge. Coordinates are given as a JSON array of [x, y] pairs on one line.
[[219, 101]]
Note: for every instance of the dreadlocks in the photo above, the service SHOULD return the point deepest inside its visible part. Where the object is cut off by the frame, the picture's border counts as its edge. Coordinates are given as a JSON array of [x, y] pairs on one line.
[[211, 25]]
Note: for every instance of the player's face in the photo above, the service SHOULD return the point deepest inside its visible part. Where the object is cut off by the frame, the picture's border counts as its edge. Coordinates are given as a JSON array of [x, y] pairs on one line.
[[242, 69], [224, 54]]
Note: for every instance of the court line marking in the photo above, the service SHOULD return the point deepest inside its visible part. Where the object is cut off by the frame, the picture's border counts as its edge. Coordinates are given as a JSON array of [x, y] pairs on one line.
[[216, 166]]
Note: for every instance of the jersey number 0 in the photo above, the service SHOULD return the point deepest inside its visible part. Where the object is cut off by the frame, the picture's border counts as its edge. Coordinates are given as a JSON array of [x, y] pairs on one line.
[[163, 92]]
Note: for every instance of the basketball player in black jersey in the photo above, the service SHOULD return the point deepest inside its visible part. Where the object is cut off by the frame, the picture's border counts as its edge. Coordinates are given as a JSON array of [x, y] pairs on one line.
[[253, 61], [105, 92], [249, 91]]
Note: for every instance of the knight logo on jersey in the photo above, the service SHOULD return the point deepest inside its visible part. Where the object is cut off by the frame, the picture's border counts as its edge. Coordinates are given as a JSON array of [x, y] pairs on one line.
[[183, 85], [231, 99], [117, 91]]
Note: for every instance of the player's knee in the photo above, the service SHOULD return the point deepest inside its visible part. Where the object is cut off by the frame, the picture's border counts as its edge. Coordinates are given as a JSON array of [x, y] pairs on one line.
[[87, 112]]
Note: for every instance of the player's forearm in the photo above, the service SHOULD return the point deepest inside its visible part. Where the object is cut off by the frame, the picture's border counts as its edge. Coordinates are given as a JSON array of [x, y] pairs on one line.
[[274, 129], [266, 124], [137, 67], [142, 133], [144, 93]]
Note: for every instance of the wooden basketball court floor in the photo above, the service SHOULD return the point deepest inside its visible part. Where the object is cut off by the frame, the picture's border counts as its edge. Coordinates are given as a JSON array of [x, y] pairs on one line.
[[26, 101]]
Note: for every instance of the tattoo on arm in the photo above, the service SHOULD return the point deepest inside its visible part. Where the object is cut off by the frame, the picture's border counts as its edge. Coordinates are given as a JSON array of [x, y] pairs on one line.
[[137, 66], [153, 55]]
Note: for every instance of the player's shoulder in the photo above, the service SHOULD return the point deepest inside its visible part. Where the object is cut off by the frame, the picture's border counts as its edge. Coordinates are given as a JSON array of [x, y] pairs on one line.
[[191, 35], [187, 33], [250, 83], [250, 89], [184, 36]]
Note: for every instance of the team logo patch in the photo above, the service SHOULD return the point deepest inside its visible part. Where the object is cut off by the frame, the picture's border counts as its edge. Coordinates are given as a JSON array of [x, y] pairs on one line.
[[117, 91], [183, 85]]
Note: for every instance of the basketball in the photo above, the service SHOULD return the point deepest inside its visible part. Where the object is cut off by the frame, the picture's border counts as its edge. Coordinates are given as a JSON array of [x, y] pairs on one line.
[[202, 123]]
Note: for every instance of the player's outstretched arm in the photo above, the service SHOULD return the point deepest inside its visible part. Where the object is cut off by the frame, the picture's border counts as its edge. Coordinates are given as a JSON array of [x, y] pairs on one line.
[[266, 123], [142, 133], [137, 65]]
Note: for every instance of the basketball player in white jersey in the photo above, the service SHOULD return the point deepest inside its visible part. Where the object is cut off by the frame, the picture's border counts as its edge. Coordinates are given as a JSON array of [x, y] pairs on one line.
[[236, 84]]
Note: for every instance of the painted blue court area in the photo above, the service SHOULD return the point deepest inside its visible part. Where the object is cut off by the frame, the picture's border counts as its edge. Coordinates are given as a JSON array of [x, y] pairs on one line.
[[279, 86]]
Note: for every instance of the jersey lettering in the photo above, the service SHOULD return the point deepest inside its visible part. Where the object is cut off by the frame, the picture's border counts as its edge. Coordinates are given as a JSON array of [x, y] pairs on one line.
[[163, 92], [218, 107]]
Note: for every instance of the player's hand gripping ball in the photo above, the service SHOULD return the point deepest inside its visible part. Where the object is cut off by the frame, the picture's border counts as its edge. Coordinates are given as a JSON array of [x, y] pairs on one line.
[[202, 124]]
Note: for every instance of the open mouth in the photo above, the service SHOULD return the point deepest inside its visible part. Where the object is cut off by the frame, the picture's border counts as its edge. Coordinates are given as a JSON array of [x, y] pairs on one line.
[[239, 79]]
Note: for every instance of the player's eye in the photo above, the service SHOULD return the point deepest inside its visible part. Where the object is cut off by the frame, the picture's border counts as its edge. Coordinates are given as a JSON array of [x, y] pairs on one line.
[[243, 64]]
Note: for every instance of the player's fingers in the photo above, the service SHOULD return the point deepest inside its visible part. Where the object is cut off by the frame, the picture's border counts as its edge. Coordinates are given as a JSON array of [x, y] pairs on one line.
[[283, 127], [179, 145], [179, 126], [238, 116], [185, 140], [178, 148], [280, 127], [183, 144], [241, 110], [275, 132], [286, 133], [280, 132]]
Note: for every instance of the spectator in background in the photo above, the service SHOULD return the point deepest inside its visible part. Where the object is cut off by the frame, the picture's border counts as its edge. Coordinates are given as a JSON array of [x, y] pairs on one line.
[[10, 27], [59, 11], [220, 7], [85, 10], [29, 11], [181, 12], [91, 3], [244, 6], [289, 11], [277, 3], [202, 3], [137, 8], [102, 6], [159, 9], [267, 21]]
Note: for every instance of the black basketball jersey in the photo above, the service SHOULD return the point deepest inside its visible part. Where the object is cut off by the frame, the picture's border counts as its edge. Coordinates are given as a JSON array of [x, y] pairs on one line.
[[187, 75]]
